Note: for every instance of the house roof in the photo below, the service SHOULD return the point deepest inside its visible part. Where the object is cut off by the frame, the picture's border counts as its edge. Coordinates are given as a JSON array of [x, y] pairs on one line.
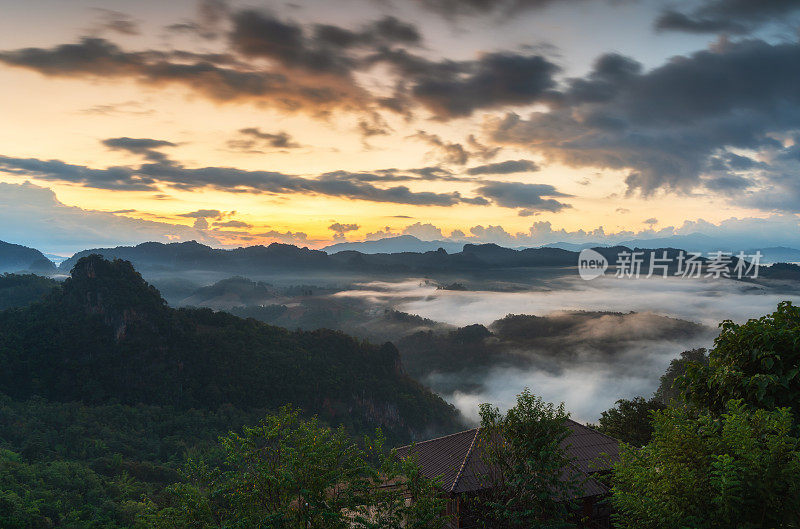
[[455, 460]]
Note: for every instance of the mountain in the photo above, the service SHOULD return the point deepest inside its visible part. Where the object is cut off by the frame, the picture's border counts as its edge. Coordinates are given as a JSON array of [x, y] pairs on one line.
[[17, 258], [399, 244], [695, 242], [573, 247], [777, 254], [159, 259], [108, 336], [195, 256]]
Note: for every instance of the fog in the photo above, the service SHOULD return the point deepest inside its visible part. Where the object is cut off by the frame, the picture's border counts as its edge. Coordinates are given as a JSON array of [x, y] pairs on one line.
[[706, 301], [578, 369]]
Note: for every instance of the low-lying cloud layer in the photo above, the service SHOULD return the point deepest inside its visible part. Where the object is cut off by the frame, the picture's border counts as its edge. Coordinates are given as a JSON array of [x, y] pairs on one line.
[[605, 358]]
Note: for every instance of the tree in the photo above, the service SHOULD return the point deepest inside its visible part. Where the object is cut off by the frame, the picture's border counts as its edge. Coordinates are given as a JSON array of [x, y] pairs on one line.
[[668, 391], [758, 362], [530, 470], [291, 473], [629, 420], [740, 470]]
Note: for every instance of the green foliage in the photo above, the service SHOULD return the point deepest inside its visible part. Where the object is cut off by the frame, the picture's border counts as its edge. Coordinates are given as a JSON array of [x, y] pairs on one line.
[[108, 336], [529, 466], [669, 387], [289, 473], [77, 466], [758, 362], [736, 471], [20, 290], [629, 420]]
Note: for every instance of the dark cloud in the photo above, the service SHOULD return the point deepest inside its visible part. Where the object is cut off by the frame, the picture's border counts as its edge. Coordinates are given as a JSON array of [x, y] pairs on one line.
[[324, 48], [432, 174], [150, 176], [529, 197], [310, 67], [450, 8], [651, 221], [729, 16], [217, 76], [507, 167], [252, 139], [451, 89], [142, 146], [673, 125]]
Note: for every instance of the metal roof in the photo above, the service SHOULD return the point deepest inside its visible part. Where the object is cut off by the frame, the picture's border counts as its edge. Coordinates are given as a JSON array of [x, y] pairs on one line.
[[455, 460]]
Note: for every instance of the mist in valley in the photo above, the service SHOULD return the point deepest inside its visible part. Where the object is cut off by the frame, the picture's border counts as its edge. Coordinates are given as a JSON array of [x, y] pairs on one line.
[[588, 344]]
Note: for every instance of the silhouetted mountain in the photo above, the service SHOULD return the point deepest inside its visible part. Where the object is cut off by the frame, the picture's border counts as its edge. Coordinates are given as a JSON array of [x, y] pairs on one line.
[[573, 247], [280, 258], [195, 256], [17, 258], [107, 335], [784, 271], [399, 244]]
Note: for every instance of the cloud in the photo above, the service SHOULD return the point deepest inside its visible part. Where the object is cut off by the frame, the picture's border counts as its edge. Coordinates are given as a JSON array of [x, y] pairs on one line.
[[507, 167], [288, 237], [143, 146], [208, 21], [652, 221], [218, 77], [323, 48], [340, 230], [161, 171], [450, 89], [114, 21], [672, 126], [427, 232], [32, 215], [253, 138], [130, 108], [729, 16], [203, 214], [233, 224], [526, 196], [456, 153], [308, 67], [451, 8]]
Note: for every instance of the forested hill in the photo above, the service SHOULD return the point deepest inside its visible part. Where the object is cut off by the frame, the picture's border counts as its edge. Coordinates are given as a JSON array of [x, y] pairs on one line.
[[108, 336], [18, 258]]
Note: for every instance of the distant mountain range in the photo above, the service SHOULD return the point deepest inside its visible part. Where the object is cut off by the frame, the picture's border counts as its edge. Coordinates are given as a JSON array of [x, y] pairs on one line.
[[399, 244], [18, 258], [376, 257]]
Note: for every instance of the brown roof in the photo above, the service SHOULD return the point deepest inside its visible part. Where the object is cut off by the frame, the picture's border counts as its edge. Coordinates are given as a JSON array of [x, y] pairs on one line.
[[456, 463]]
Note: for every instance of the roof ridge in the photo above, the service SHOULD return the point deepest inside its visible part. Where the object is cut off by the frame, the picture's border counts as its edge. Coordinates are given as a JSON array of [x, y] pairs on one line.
[[438, 438], [594, 430], [466, 458]]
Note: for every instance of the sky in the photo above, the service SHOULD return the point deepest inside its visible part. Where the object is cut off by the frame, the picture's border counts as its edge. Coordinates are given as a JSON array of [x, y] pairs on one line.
[[521, 122]]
